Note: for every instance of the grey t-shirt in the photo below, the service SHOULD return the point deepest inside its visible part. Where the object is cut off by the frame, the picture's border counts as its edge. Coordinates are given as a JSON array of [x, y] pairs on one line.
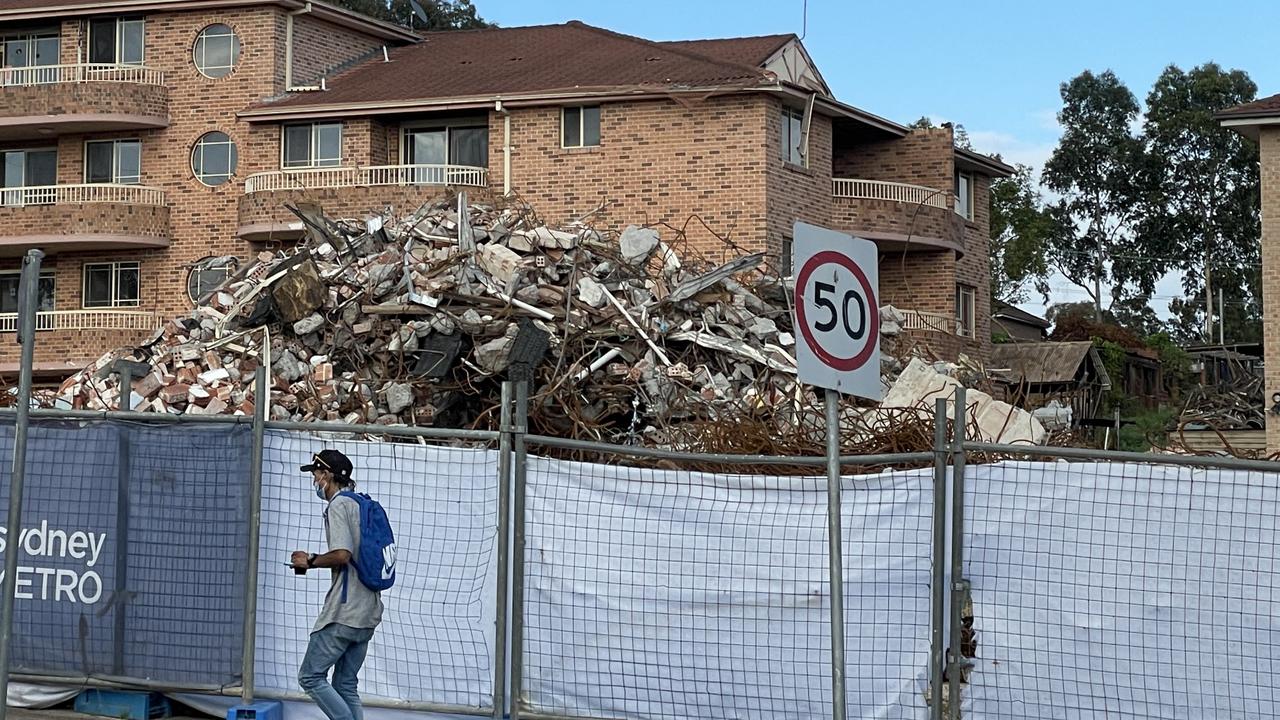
[[363, 607]]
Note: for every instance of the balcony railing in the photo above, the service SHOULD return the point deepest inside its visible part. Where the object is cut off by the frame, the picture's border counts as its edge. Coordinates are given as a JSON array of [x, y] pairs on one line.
[[86, 193], [895, 192], [86, 320], [934, 322], [341, 177], [79, 73]]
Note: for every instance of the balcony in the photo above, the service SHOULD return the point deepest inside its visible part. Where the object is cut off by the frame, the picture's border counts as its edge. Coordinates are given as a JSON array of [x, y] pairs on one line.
[[82, 217], [86, 320], [50, 100], [897, 216], [930, 322], [351, 192]]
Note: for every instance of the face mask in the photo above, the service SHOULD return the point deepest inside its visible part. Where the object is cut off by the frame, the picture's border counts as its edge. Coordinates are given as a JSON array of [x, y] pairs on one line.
[[320, 491]]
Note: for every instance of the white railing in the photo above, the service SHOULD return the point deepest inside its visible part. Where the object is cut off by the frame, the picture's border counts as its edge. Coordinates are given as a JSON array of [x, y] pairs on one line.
[[935, 322], [881, 190], [79, 73], [87, 193], [86, 320], [340, 177]]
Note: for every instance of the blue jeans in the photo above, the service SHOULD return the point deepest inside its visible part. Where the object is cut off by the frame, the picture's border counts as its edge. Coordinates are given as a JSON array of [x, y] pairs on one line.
[[342, 648]]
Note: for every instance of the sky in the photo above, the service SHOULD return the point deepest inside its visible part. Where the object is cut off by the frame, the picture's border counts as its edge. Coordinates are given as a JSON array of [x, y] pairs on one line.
[[993, 67]]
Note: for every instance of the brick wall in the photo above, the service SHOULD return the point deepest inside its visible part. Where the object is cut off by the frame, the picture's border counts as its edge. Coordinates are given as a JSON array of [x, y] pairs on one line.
[[906, 219], [84, 220], [1269, 147], [89, 98], [320, 49], [268, 208], [658, 161], [975, 267], [925, 157], [202, 219], [795, 192]]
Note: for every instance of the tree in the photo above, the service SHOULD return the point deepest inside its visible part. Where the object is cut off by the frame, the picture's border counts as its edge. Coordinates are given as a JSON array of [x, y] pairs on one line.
[[1094, 169], [441, 14], [1020, 229], [1202, 212]]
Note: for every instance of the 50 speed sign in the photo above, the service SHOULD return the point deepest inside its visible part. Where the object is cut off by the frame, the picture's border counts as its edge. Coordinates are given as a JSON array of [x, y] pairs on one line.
[[837, 311]]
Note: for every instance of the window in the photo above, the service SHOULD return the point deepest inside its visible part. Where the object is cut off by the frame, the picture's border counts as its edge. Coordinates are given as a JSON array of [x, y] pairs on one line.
[[216, 51], [580, 126], [785, 260], [108, 285], [213, 159], [116, 41], [964, 195], [9, 287], [966, 311], [315, 145], [24, 54], [113, 161], [463, 145], [209, 274], [793, 150], [29, 176]]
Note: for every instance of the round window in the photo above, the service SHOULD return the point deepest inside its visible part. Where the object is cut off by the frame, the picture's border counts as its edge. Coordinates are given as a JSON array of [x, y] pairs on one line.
[[217, 50], [213, 159]]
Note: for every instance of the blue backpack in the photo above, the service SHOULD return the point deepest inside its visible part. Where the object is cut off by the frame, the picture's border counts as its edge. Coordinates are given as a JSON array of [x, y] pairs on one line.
[[376, 561]]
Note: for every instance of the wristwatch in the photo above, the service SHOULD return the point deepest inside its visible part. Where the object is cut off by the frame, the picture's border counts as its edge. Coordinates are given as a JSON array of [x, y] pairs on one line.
[[311, 561]]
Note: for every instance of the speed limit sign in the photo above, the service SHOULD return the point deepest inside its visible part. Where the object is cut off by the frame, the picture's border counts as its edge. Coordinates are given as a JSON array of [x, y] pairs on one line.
[[837, 311]]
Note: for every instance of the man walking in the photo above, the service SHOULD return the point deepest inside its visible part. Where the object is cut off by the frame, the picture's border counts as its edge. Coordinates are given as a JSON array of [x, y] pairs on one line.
[[341, 634]]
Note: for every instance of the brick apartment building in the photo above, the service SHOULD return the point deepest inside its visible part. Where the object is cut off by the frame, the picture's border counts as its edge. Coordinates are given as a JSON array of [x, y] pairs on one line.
[[1260, 121], [141, 137]]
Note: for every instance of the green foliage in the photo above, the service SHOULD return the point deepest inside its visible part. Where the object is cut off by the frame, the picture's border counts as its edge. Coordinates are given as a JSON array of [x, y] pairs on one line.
[[1150, 427], [1094, 169], [1202, 189], [441, 14], [1000, 338], [924, 123], [1020, 230]]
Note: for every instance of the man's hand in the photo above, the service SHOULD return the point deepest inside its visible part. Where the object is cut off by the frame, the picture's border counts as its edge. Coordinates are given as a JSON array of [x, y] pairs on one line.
[[299, 558]]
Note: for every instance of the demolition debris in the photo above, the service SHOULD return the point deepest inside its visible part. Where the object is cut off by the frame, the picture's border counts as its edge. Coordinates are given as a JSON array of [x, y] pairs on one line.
[[628, 336]]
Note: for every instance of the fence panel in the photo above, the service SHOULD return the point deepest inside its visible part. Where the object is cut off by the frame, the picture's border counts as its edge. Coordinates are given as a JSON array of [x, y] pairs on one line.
[[150, 588], [435, 646], [1105, 590], [673, 594]]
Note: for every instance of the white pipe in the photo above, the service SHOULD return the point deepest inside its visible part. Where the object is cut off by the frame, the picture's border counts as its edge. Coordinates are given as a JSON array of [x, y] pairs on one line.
[[288, 45], [599, 363], [506, 147]]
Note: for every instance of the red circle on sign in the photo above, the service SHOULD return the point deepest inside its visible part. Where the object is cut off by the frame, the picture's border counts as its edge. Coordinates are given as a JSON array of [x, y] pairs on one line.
[[844, 364]]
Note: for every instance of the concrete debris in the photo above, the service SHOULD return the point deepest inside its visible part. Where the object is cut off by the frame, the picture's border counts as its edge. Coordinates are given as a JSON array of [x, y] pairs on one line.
[[997, 421], [417, 318]]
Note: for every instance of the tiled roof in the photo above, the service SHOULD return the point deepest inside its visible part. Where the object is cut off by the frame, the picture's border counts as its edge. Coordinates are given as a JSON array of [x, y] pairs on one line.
[[1257, 108], [543, 59], [752, 51]]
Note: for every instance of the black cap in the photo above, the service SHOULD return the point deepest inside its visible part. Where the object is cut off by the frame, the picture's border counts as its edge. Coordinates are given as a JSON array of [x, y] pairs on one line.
[[333, 461]]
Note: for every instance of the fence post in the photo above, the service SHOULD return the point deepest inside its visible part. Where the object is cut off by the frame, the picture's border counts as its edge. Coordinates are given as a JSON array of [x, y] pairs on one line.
[[29, 288], [937, 644], [835, 552], [250, 632], [120, 596], [520, 428], [955, 656], [500, 673]]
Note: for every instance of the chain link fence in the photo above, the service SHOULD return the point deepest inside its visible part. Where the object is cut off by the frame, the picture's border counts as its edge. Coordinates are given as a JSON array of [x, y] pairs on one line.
[[633, 585]]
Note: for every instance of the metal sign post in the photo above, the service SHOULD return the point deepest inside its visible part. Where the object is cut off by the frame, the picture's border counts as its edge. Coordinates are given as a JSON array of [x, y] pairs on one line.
[[29, 294], [838, 320]]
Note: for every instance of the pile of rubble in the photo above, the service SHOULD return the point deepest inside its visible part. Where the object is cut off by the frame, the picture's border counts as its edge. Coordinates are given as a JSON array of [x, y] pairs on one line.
[[417, 319]]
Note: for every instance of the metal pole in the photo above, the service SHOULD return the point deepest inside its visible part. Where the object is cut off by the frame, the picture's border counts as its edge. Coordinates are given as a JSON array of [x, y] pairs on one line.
[[836, 561], [1222, 316], [29, 289], [1117, 426], [955, 658], [250, 632], [500, 673], [520, 429], [120, 597], [937, 644]]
